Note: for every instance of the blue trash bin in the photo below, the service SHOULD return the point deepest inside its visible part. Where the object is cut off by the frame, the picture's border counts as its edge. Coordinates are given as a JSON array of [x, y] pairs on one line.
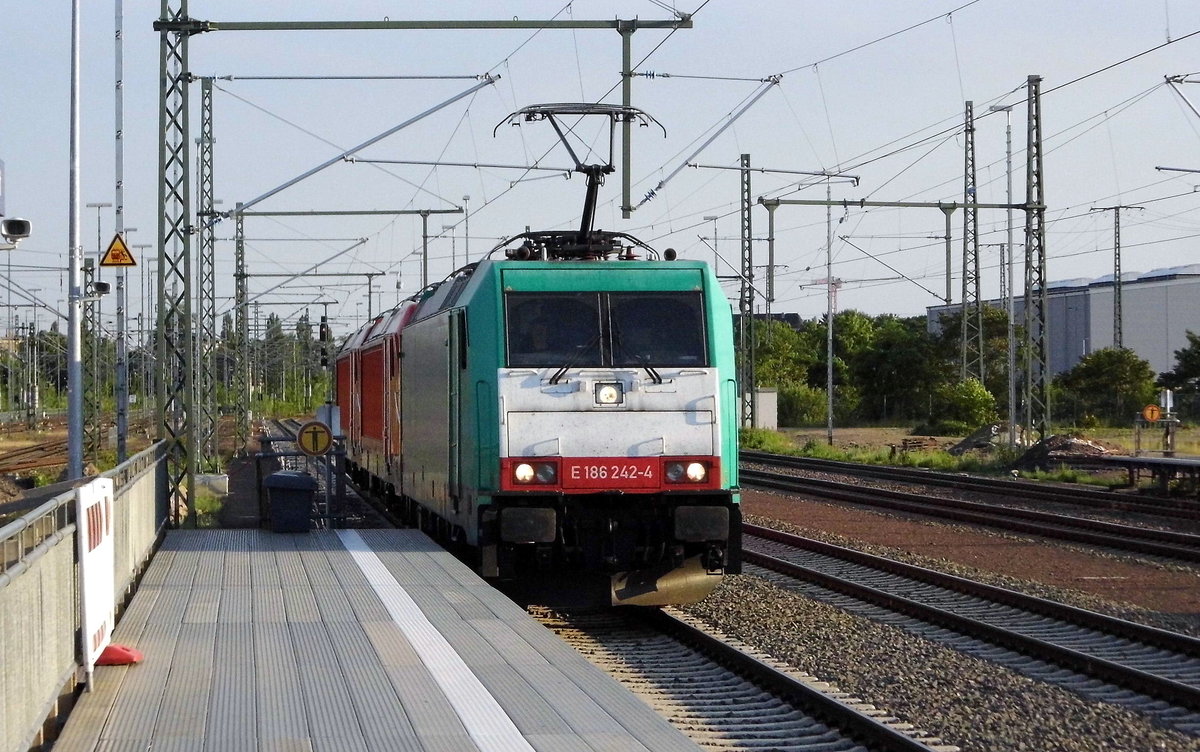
[[290, 498]]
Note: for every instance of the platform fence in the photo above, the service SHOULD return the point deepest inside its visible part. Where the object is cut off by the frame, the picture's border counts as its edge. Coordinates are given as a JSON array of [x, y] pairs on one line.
[[40, 658]]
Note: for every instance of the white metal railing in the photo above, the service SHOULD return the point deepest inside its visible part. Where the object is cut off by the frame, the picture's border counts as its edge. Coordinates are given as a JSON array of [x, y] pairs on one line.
[[39, 600]]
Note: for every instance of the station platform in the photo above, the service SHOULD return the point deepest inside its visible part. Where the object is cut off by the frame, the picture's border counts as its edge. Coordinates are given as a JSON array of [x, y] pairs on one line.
[[1162, 470], [344, 640]]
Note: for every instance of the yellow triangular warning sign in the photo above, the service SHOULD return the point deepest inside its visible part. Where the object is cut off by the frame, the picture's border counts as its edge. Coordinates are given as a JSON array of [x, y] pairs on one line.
[[118, 253]]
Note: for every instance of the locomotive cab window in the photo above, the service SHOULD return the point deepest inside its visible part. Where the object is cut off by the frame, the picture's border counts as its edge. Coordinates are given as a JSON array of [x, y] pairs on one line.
[[657, 329], [553, 329], [635, 329]]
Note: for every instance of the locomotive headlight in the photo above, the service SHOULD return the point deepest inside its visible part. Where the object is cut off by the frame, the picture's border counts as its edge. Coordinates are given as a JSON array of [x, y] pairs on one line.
[[535, 473], [546, 472], [610, 393], [686, 472]]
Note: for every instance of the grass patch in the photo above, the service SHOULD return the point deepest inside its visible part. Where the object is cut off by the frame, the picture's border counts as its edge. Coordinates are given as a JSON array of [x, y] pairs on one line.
[[208, 508], [1071, 475], [763, 440], [775, 442]]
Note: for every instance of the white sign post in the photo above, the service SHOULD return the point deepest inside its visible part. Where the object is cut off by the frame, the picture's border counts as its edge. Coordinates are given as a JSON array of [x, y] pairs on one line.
[[97, 558]]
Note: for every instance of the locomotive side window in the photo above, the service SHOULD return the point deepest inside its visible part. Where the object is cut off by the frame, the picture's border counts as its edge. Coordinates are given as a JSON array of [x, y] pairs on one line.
[[553, 329], [657, 329]]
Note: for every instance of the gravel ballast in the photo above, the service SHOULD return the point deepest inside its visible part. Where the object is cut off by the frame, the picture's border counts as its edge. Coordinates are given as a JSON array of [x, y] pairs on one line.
[[977, 705]]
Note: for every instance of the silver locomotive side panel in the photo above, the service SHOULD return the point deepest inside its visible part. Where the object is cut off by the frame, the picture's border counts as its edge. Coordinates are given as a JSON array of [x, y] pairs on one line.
[[425, 368]]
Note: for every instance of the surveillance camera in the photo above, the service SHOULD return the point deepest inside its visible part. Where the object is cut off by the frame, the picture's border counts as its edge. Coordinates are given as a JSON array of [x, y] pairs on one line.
[[101, 288], [15, 229]]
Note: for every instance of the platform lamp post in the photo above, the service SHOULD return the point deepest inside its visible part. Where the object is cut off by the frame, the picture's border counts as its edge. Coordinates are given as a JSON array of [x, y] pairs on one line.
[[713, 218]]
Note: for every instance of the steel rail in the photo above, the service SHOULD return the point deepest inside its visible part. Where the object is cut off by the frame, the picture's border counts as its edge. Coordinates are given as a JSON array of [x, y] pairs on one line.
[[1143, 681], [1017, 489], [1174, 545], [855, 724]]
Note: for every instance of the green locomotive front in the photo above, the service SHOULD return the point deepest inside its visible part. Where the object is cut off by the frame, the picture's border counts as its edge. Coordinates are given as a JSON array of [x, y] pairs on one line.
[[576, 420]]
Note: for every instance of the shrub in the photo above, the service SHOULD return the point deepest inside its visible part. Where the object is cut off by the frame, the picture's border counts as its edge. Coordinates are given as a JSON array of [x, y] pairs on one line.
[[943, 428], [967, 402], [801, 405], [763, 440]]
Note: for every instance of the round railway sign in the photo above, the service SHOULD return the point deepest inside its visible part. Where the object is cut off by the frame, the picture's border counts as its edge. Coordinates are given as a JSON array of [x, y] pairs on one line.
[[314, 438], [1151, 413]]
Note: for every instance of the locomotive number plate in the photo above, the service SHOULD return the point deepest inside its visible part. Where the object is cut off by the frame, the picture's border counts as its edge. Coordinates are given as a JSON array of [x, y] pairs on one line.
[[625, 472]]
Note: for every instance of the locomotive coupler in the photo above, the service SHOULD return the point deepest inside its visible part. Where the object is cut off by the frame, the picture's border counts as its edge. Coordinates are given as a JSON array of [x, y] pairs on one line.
[[714, 559]]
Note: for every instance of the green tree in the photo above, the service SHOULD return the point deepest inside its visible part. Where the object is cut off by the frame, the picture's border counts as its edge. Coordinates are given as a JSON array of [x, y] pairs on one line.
[[1185, 377], [782, 356], [966, 405], [948, 341], [1108, 385], [897, 375]]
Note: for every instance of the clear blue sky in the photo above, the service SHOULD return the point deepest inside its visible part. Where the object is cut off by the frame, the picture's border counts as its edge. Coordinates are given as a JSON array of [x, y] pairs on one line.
[[861, 91]]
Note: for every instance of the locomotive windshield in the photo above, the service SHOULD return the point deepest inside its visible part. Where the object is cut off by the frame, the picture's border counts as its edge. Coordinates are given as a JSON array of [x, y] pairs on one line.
[[635, 329]]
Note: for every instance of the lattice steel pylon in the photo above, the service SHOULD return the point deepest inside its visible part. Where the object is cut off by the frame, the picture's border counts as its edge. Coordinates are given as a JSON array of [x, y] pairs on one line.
[[206, 394], [1118, 319], [972, 303], [90, 355], [746, 304], [174, 397], [1037, 396]]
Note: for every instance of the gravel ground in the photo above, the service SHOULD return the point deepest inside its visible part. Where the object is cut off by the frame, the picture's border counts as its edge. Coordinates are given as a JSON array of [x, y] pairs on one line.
[[1157, 593], [977, 705]]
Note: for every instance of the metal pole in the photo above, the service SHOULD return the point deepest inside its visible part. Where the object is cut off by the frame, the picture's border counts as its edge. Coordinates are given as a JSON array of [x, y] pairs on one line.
[[122, 385], [770, 260], [716, 257], [1117, 336], [948, 210], [74, 291], [746, 303], [92, 345], [466, 231], [1011, 301], [424, 249], [829, 314], [626, 29], [453, 251]]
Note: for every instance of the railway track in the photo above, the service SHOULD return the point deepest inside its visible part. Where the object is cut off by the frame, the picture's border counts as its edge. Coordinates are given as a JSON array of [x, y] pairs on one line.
[[34, 456], [1148, 670], [1139, 540], [723, 695], [1010, 488]]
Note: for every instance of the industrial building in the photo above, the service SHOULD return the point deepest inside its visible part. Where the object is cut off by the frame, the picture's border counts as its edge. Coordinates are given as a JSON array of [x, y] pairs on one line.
[[1158, 309]]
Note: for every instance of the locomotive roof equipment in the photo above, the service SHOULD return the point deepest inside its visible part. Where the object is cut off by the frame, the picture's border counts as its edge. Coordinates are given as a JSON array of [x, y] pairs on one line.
[[586, 243]]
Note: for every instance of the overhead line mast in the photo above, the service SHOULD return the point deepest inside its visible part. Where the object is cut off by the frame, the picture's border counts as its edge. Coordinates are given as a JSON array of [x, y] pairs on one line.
[[175, 400], [1037, 394], [972, 301], [1118, 338]]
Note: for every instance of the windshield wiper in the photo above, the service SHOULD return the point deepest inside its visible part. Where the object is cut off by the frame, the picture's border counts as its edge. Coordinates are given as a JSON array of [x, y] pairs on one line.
[[640, 358], [575, 356]]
